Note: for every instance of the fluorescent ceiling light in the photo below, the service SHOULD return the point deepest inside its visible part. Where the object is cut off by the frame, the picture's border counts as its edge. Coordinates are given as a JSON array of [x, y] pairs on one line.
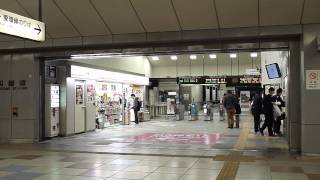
[[212, 56], [254, 55], [155, 58], [99, 55], [233, 55], [90, 57], [193, 57], [174, 58]]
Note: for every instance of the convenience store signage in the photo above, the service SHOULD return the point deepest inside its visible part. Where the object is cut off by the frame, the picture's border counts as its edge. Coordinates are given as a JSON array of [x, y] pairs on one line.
[[16, 25], [109, 76]]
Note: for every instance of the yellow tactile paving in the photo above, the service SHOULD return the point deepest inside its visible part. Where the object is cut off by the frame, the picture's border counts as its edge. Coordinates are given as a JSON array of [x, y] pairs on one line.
[[232, 161], [228, 171]]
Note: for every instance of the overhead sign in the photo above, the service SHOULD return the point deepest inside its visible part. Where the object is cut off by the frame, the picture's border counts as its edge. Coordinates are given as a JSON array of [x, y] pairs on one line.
[[313, 79], [16, 25], [252, 72]]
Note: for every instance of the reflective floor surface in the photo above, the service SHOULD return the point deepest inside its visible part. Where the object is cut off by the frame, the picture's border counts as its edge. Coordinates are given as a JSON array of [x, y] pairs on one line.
[[160, 149]]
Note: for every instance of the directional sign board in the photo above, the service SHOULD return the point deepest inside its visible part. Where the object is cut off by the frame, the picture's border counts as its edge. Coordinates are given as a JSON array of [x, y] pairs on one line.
[[16, 25]]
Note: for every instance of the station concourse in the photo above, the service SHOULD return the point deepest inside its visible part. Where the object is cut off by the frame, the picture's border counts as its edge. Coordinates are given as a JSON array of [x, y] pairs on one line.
[[149, 89]]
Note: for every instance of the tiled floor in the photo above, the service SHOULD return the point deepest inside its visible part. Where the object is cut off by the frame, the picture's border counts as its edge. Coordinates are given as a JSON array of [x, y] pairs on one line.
[[159, 150], [169, 137], [151, 167]]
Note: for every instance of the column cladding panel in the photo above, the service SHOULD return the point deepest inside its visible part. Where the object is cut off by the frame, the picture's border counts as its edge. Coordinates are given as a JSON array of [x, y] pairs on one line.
[[5, 97]]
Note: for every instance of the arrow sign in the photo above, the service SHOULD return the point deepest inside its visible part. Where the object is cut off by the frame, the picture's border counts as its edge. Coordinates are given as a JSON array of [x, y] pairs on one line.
[[20, 26], [38, 29]]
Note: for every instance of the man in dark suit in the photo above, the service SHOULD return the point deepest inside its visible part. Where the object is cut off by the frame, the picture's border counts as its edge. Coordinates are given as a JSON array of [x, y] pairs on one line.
[[268, 112], [277, 123], [256, 110]]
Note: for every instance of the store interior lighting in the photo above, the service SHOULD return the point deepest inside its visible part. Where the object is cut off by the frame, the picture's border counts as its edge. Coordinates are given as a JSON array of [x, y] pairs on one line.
[[90, 56], [233, 55], [193, 57], [174, 58], [253, 54], [212, 56], [101, 55], [155, 58]]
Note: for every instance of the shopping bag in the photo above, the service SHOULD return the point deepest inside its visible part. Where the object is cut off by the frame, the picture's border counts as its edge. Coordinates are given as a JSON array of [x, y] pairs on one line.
[[276, 111]]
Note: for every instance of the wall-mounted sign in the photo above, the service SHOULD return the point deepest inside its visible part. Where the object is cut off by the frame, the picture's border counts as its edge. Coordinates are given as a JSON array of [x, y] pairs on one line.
[[52, 71], [313, 79], [253, 72], [230, 81], [16, 25]]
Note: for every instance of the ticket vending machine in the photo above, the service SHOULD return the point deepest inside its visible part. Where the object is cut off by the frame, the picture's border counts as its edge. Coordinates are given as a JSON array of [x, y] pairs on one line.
[[52, 106]]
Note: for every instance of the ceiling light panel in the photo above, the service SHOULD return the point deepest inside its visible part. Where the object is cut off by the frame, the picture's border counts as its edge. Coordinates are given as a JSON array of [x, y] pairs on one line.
[[174, 58], [155, 58], [233, 55], [212, 56], [253, 54], [193, 57]]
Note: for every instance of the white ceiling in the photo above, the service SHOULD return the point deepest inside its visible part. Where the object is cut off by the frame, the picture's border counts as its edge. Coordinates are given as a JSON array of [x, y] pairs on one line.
[[74, 18], [184, 60]]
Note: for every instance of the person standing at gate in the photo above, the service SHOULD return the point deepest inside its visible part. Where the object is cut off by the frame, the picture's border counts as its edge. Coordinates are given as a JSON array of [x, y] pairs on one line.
[[268, 112], [256, 110], [229, 103], [238, 112]]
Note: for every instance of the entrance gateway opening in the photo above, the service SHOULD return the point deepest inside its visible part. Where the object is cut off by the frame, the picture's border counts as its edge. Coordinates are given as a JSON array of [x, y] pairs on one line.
[[169, 104]]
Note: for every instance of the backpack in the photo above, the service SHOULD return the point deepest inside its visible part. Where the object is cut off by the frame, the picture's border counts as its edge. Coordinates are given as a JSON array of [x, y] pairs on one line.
[[139, 105]]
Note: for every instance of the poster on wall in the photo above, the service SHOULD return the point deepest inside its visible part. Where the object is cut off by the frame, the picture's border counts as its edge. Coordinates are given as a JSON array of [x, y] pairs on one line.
[[245, 100], [79, 94], [90, 92], [313, 79]]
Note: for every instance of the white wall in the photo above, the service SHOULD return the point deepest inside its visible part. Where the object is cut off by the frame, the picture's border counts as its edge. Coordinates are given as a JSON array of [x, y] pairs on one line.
[[223, 65], [138, 64]]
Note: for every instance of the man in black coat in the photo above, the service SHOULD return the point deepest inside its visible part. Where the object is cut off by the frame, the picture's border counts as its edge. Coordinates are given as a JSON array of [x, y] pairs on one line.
[[277, 123], [256, 110], [268, 112]]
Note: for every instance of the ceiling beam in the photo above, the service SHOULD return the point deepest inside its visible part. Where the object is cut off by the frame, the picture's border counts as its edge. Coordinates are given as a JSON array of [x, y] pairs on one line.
[[176, 15], [302, 12], [216, 14], [68, 19], [100, 16], [138, 17]]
